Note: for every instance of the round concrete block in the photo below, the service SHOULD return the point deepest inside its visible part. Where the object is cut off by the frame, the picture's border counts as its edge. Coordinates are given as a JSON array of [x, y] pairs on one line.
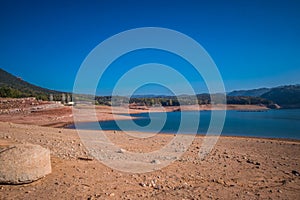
[[23, 163]]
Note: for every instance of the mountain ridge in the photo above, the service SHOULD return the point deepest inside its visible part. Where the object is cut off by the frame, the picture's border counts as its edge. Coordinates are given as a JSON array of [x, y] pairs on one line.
[[251, 92], [287, 96]]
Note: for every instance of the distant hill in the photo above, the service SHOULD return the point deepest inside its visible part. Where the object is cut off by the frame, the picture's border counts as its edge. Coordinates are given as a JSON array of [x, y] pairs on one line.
[[12, 86], [249, 93], [285, 96]]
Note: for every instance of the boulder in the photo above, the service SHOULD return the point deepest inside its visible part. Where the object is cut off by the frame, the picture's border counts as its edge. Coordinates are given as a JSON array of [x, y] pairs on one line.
[[23, 163]]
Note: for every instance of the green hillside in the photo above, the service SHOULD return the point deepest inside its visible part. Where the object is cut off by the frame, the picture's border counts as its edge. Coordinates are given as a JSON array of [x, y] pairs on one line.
[[285, 96], [12, 86]]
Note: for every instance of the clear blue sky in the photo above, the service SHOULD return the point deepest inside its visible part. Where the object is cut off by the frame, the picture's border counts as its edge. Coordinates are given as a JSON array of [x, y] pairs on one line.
[[254, 43]]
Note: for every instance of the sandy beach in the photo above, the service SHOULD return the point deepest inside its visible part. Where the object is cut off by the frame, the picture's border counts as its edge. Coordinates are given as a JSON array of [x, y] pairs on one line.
[[236, 168]]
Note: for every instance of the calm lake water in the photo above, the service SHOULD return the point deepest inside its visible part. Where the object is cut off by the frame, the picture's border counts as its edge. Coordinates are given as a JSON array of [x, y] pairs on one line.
[[269, 124]]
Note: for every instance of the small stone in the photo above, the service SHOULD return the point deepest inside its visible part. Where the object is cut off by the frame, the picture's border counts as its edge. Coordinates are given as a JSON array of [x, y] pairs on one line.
[[279, 191], [112, 194], [157, 187], [142, 184], [220, 181], [153, 183], [155, 162], [295, 173], [121, 151]]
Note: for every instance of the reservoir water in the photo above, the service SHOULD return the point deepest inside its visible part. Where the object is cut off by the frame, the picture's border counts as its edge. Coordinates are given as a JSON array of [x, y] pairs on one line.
[[283, 123]]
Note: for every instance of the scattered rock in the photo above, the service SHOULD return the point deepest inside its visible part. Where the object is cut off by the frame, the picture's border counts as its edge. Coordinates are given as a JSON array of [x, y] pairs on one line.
[[85, 158], [23, 163], [155, 162], [112, 194], [220, 181], [253, 162], [121, 151], [157, 187], [295, 173], [143, 184]]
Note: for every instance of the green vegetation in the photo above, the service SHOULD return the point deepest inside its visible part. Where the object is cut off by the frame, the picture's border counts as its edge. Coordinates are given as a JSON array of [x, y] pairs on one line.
[[10, 92], [14, 87]]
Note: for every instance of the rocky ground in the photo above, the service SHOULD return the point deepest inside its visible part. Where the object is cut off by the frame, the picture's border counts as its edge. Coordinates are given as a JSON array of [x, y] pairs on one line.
[[237, 168]]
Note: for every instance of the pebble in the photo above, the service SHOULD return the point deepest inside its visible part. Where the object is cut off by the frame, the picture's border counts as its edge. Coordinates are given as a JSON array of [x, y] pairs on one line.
[[112, 194], [253, 162], [295, 173], [142, 184], [155, 162], [157, 187], [121, 151]]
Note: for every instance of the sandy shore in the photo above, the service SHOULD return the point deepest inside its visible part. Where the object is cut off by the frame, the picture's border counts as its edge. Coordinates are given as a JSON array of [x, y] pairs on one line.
[[236, 168]]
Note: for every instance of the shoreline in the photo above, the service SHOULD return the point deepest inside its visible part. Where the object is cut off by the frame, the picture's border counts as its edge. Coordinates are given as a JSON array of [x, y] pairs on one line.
[[62, 117]]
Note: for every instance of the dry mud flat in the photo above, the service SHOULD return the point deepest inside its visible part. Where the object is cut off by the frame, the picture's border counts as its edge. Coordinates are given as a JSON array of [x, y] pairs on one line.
[[237, 168]]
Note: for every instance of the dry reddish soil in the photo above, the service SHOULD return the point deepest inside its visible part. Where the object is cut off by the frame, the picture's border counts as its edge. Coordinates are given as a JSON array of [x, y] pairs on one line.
[[236, 168]]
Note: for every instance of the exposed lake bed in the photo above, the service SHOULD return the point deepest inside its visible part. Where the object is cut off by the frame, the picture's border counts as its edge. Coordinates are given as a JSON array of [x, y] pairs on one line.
[[236, 168]]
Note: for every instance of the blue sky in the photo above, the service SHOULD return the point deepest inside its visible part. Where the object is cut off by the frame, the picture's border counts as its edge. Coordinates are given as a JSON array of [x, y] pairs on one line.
[[253, 43]]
